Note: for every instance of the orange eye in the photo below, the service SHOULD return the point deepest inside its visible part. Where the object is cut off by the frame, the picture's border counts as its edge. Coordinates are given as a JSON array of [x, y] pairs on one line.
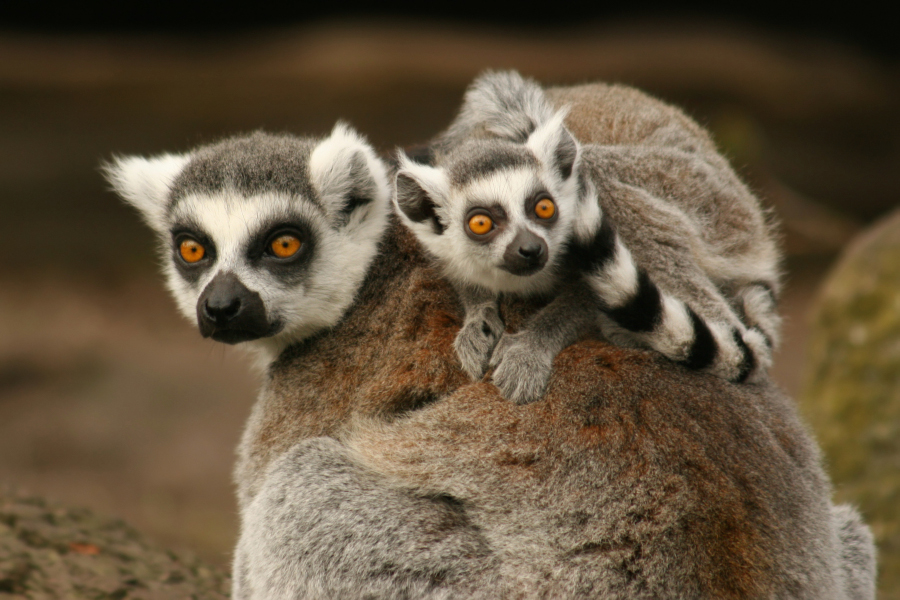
[[191, 250], [545, 209], [480, 224], [285, 246]]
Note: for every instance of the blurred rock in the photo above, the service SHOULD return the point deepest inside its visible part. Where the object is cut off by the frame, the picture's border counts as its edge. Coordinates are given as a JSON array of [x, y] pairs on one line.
[[852, 392], [55, 552]]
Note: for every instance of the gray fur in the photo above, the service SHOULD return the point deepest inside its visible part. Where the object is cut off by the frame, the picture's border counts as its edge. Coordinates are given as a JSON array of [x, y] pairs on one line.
[[477, 158], [523, 361], [371, 467], [250, 165], [857, 553], [309, 534], [632, 479], [496, 106], [444, 505], [479, 333], [237, 196], [689, 223]]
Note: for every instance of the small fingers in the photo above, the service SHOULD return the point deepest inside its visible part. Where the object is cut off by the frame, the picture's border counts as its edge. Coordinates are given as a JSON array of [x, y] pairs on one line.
[[476, 340], [521, 369]]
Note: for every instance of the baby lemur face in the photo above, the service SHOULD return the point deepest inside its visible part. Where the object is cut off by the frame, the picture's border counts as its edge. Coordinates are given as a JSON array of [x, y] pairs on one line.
[[264, 238], [510, 235], [496, 213]]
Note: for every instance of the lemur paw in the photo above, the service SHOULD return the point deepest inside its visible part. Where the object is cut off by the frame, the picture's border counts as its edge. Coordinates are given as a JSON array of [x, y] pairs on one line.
[[521, 368], [476, 340]]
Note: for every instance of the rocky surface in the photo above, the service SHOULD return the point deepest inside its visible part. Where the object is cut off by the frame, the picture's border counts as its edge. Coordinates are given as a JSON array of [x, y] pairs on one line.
[[49, 551], [852, 393]]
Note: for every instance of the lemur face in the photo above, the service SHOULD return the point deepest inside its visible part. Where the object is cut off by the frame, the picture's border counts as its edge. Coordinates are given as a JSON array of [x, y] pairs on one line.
[[496, 213], [243, 265], [514, 232], [264, 238]]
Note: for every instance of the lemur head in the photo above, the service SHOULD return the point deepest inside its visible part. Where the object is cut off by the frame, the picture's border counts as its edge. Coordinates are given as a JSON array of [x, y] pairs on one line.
[[496, 212], [264, 237]]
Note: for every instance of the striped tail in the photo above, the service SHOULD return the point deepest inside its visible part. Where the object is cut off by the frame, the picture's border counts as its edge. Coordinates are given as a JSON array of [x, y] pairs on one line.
[[637, 311], [757, 303]]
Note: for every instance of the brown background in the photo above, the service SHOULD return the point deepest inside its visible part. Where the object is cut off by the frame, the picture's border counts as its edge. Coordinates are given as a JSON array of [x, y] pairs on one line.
[[108, 399]]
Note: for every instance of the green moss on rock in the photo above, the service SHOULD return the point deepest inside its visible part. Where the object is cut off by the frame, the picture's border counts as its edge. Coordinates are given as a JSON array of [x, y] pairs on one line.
[[852, 390]]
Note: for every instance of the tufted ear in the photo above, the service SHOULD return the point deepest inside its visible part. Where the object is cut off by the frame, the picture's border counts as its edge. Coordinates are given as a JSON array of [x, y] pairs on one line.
[[347, 174], [420, 195], [145, 183], [552, 143]]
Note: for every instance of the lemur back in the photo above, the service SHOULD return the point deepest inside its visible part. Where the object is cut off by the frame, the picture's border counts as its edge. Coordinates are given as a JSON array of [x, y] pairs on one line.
[[635, 141], [675, 250]]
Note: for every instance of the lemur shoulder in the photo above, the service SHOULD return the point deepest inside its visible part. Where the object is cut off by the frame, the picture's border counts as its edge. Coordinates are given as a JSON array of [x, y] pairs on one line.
[[613, 204], [371, 467]]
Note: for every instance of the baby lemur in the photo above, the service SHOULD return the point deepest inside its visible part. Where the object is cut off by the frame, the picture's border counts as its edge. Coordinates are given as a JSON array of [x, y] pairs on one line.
[[642, 231]]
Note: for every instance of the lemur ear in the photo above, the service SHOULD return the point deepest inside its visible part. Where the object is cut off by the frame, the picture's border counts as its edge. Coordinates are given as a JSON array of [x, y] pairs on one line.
[[145, 183], [555, 146], [347, 174], [420, 193]]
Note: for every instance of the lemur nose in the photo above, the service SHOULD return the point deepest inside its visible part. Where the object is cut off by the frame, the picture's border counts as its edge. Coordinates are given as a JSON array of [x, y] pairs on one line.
[[531, 251], [526, 254], [229, 312], [222, 310]]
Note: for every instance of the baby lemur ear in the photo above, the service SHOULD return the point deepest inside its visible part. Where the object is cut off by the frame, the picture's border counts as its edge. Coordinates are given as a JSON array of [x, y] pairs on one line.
[[420, 192], [145, 183], [555, 146], [348, 175]]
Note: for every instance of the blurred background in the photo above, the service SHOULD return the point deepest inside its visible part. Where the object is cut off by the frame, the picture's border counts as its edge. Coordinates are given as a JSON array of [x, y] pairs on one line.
[[108, 399]]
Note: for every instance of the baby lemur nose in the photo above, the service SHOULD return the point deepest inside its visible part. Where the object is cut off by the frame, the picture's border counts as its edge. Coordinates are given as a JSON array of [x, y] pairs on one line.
[[526, 254], [229, 312], [531, 251]]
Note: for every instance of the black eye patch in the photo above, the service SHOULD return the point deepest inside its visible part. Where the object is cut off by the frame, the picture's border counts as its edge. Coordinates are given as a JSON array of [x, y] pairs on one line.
[[265, 249], [183, 249], [531, 204]]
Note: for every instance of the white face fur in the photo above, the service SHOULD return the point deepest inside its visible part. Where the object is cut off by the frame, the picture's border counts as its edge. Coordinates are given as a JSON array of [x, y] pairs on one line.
[[295, 262], [510, 196]]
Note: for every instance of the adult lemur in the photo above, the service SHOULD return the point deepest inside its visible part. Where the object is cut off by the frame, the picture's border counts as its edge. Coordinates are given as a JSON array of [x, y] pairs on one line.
[[372, 467], [264, 238], [516, 204]]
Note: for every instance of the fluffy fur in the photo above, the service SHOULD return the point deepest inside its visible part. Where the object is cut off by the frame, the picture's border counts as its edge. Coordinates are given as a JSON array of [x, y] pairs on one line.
[[333, 191], [676, 250], [372, 467]]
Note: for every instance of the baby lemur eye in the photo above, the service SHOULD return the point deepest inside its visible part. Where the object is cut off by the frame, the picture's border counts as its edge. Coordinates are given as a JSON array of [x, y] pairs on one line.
[[480, 224], [545, 208], [285, 246], [191, 250]]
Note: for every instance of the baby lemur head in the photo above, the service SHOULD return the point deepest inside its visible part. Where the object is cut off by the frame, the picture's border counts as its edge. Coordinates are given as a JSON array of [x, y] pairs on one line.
[[264, 237], [496, 212]]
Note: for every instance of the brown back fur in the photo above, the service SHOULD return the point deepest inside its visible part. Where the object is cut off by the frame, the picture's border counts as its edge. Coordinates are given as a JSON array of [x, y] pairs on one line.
[[632, 473]]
